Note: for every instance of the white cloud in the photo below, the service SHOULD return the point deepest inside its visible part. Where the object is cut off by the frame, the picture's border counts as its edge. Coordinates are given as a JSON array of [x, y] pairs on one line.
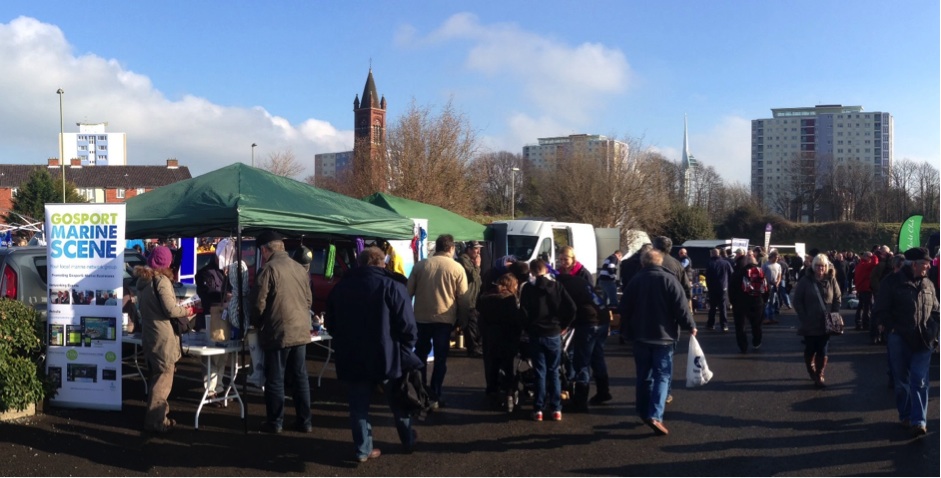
[[566, 82], [726, 146], [37, 59]]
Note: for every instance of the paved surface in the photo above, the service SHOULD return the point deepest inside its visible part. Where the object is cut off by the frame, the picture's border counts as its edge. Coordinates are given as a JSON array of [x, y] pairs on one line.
[[760, 416]]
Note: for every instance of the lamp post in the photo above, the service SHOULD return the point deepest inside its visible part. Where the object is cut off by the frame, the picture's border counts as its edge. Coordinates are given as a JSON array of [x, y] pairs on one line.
[[61, 142], [513, 192], [253, 154]]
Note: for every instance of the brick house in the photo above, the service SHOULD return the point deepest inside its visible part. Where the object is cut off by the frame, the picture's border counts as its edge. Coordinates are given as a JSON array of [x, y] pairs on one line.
[[100, 184]]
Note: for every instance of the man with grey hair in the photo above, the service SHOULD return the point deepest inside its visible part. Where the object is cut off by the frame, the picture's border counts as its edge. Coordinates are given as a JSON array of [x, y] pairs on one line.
[[370, 310], [656, 308], [281, 312]]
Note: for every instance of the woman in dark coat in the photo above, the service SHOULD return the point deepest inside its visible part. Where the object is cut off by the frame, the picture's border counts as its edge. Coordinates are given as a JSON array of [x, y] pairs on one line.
[[745, 306], [812, 314], [499, 320]]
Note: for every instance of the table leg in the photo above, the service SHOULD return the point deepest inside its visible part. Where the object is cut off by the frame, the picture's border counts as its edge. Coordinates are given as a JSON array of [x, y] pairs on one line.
[[326, 362]]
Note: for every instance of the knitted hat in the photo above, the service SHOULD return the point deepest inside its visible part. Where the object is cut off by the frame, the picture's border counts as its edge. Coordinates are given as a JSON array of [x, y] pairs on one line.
[[160, 258]]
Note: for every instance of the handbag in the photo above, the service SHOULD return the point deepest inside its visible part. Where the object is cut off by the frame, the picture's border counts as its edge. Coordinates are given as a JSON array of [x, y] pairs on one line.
[[832, 321]]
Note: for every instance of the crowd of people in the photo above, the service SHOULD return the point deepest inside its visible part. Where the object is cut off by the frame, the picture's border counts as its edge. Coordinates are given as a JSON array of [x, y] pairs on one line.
[[556, 317]]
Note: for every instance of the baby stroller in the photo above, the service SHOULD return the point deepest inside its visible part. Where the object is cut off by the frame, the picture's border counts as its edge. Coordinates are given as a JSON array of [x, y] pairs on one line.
[[523, 382]]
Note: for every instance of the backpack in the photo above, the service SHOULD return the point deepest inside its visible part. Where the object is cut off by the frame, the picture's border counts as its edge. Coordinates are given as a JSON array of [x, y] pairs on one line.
[[753, 282]]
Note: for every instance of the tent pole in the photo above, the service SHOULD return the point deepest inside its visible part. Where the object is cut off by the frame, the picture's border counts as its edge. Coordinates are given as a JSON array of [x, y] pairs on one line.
[[240, 320]]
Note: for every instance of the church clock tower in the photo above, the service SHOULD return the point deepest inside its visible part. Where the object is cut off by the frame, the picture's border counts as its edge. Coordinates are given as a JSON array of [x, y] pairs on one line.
[[370, 121]]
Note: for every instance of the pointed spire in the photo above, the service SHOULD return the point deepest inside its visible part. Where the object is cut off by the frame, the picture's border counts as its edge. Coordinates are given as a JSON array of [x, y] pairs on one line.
[[370, 97], [685, 143]]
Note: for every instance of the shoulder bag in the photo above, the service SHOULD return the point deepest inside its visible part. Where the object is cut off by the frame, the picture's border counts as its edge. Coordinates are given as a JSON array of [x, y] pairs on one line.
[[833, 321]]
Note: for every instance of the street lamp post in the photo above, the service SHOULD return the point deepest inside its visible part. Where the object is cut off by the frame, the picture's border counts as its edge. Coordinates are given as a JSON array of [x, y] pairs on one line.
[[513, 192], [253, 154], [61, 142]]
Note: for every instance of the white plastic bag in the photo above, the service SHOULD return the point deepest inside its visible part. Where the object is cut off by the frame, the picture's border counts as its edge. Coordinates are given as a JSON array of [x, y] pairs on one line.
[[697, 371]]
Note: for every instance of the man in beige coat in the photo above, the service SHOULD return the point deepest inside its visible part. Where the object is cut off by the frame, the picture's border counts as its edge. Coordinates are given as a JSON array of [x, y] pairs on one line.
[[439, 286]]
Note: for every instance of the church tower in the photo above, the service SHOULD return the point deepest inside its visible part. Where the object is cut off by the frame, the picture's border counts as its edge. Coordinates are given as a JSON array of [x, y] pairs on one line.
[[369, 116], [689, 167]]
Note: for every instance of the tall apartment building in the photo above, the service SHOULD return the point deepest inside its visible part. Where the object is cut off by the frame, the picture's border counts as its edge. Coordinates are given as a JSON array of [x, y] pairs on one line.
[[327, 165], [94, 146], [548, 151], [812, 142]]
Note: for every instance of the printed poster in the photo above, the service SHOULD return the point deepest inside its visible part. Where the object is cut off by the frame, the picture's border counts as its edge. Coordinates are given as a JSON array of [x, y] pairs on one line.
[[85, 257]]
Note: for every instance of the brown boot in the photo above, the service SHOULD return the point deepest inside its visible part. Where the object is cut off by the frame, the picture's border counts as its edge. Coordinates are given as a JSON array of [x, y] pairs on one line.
[[821, 363], [811, 369]]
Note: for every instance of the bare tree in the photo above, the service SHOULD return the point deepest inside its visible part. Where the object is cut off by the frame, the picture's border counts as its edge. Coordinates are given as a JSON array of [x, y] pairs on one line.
[[283, 163], [428, 157], [926, 191], [493, 176]]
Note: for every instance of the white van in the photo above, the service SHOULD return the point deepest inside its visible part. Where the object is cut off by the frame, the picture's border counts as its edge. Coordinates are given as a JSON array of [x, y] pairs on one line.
[[528, 240]]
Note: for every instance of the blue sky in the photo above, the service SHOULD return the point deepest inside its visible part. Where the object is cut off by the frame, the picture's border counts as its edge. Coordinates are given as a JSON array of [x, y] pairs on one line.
[[202, 81]]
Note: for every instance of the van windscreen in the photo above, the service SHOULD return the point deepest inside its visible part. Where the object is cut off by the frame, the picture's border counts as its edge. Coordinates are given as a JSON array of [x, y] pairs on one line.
[[521, 247]]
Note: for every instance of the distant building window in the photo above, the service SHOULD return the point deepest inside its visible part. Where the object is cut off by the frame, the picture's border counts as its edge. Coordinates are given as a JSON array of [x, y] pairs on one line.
[[14, 191], [88, 193], [141, 191], [120, 193]]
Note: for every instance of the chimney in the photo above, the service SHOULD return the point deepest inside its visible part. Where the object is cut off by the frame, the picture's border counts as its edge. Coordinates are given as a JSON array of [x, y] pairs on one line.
[[75, 162], [53, 163], [173, 163]]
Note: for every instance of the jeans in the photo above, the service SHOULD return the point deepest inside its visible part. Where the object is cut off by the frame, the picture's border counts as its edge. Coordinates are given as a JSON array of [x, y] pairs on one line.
[[772, 308], [360, 393], [610, 288], [439, 337], [864, 313], [718, 300], [783, 297], [278, 363], [546, 353], [910, 372], [741, 313], [654, 365], [588, 344]]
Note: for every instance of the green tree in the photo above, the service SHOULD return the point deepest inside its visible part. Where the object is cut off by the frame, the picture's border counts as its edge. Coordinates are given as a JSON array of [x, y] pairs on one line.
[[29, 203], [688, 222]]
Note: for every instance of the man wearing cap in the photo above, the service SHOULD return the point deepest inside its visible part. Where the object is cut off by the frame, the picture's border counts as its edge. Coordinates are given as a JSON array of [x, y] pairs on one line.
[[281, 312], [470, 261], [907, 309], [607, 278]]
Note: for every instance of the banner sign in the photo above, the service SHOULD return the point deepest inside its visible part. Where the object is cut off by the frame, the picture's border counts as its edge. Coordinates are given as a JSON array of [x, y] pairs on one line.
[[767, 237], [910, 233], [739, 243], [85, 272]]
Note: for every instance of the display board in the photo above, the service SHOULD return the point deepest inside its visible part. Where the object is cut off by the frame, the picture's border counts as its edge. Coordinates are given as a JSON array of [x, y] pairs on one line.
[[85, 256]]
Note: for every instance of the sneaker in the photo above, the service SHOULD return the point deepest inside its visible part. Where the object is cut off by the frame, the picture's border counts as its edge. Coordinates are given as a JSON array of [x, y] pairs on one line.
[[669, 398], [537, 416], [375, 453], [557, 416], [269, 427], [919, 430], [725, 328], [757, 346]]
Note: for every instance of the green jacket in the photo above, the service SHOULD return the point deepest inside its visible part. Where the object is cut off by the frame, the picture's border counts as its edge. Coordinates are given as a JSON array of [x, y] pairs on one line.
[[281, 303]]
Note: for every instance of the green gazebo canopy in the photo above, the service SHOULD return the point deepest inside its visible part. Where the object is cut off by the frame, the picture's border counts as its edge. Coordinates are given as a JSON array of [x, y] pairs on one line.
[[440, 221]]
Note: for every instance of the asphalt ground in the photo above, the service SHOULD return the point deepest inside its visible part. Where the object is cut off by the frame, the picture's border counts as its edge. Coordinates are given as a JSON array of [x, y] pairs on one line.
[[759, 416]]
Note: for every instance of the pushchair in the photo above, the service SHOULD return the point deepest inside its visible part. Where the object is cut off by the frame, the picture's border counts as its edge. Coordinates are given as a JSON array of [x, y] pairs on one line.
[[522, 384]]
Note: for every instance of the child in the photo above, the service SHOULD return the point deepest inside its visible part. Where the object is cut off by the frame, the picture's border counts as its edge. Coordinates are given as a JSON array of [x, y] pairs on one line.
[[545, 310]]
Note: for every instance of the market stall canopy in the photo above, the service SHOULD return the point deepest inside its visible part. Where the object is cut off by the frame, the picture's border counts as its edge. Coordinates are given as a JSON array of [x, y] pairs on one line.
[[440, 221], [216, 203]]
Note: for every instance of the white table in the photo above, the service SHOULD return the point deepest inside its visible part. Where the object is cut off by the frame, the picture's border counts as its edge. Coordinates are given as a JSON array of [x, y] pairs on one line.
[[198, 344]]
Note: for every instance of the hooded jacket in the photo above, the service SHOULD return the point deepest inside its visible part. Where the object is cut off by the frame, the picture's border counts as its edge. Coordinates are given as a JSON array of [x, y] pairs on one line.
[[281, 303], [810, 314], [545, 308]]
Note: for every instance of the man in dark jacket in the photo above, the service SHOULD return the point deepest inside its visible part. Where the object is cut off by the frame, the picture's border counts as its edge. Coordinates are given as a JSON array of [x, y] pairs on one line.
[[281, 313], [718, 272], [592, 321], [907, 309], [656, 309], [370, 317], [470, 261]]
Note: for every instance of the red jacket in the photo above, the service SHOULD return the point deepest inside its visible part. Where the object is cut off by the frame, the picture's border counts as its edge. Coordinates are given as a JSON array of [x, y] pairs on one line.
[[863, 271]]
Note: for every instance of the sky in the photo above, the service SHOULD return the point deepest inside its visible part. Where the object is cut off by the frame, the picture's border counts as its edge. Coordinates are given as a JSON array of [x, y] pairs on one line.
[[202, 81]]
